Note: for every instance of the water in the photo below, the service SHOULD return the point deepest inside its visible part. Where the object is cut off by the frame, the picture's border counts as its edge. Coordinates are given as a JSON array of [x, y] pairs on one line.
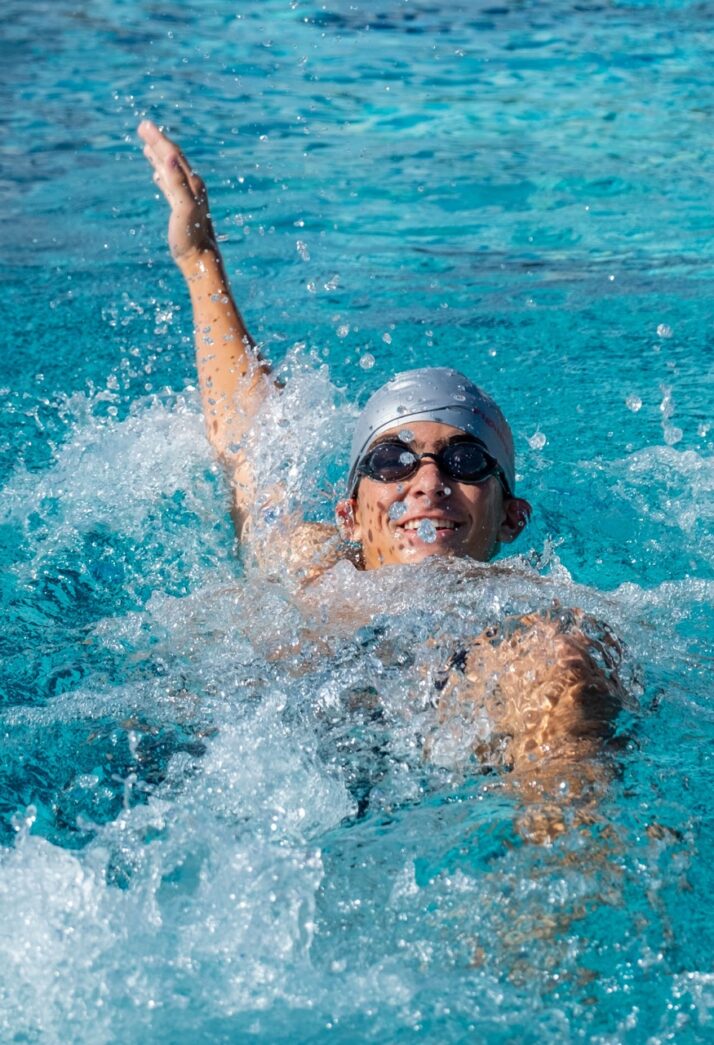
[[216, 816]]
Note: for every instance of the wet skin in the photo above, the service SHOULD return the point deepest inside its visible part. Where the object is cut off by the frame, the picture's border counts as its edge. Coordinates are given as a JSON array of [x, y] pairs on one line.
[[464, 519]]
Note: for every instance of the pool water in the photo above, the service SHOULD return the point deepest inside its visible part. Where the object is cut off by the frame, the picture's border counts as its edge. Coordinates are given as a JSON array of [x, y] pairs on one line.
[[217, 819]]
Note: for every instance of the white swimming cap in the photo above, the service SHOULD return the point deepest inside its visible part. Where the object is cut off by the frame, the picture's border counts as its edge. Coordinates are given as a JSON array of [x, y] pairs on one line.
[[435, 394]]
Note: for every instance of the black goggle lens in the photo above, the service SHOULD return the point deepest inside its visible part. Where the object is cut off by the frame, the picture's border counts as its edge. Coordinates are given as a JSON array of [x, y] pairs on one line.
[[392, 462]]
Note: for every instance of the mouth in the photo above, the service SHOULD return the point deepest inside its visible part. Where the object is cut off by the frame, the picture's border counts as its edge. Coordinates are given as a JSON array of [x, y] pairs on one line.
[[429, 529]]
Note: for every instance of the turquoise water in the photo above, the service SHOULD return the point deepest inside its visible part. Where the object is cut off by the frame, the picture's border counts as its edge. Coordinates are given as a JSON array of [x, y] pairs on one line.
[[204, 841]]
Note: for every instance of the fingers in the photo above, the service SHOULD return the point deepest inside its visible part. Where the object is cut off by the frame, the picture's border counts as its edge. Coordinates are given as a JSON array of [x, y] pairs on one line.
[[161, 151], [159, 143], [172, 171], [197, 187]]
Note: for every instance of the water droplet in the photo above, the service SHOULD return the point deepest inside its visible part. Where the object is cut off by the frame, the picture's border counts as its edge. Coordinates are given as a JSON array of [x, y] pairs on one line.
[[666, 406], [633, 403], [302, 249], [664, 330], [343, 331], [426, 531], [406, 435], [458, 397], [537, 441], [367, 361], [387, 338], [397, 509]]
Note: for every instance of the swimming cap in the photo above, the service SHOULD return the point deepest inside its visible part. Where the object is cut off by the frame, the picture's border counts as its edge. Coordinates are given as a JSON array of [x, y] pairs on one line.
[[434, 394]]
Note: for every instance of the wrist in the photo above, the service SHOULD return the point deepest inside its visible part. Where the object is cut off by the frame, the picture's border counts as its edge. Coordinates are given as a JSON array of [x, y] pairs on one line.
[[199, 262]]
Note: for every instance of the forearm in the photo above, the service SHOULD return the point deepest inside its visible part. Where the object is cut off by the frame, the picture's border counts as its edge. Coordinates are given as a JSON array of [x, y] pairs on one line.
[[232, 375]]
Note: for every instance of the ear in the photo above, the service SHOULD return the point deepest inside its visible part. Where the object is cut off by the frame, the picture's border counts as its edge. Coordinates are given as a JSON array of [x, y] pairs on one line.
[[516, 513], [346, 523]]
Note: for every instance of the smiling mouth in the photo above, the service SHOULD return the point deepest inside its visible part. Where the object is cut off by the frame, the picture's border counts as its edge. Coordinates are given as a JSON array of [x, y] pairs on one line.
[[440, 525]]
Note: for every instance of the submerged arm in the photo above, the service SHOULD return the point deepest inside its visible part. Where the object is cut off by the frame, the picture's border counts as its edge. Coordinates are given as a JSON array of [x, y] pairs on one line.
[[551, 688]]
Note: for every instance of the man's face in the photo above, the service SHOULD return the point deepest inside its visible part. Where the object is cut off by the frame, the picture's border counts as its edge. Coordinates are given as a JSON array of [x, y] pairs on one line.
[[428, 513]]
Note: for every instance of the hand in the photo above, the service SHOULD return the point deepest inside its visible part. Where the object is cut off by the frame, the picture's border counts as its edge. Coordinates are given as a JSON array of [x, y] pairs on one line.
[[190, 227]]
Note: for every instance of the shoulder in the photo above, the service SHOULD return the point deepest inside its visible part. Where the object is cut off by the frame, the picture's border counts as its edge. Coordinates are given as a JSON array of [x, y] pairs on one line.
[[313, 545], [302, 550]]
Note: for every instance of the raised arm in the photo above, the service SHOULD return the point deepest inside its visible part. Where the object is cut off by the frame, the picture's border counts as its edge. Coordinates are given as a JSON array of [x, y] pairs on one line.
[[233, 377]]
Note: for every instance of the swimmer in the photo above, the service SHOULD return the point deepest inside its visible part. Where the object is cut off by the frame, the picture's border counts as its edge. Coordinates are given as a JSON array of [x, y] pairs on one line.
[[432, 468], [432, 473]]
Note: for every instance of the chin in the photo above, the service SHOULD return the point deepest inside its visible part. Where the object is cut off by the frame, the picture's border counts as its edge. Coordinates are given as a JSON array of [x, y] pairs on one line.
[[427, 551]]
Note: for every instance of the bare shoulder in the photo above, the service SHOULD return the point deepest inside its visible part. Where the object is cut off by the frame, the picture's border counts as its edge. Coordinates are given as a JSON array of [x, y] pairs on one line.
[[314, 547], [303, 550]]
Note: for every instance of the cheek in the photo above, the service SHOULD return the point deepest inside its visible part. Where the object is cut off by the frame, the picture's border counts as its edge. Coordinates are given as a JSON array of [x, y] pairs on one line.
[[487, 512], [375, 522]]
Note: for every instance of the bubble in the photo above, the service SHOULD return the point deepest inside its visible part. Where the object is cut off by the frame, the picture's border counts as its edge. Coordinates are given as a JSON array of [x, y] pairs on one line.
[[664, 330], [672, 434], [387, 338], [633, 403], [302, 249], [343, 330], [397, 509], [367, 361], [426, 531], [537, 441], [406, 435], [406, 458]]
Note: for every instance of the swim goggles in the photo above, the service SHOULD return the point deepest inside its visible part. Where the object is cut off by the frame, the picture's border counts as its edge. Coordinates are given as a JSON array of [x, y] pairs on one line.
[[464, 462]]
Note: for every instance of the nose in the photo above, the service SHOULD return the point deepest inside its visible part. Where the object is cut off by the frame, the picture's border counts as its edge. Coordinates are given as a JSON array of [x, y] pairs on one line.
[[428, 480]]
